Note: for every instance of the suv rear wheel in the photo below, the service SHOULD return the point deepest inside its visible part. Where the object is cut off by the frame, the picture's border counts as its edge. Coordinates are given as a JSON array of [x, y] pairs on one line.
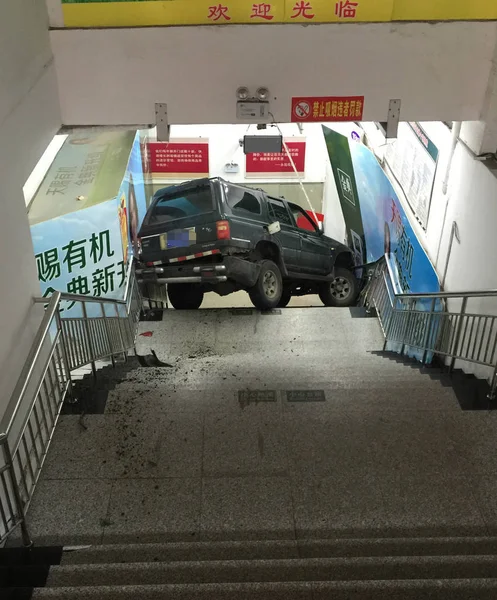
[[286, 296], [342, 291], [185, 296], [266, 293]]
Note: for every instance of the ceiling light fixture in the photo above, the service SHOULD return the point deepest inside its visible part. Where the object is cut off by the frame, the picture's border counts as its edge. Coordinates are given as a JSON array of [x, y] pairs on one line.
[[242, 93], [263, 93]]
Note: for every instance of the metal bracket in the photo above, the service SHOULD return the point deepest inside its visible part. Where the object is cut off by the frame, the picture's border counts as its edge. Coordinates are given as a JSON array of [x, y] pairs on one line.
[[391, 125], [161, 122], [454, 233]]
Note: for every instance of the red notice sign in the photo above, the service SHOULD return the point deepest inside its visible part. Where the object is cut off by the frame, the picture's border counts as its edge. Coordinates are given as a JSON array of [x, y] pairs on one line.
[[179, 158], [327, 109], [276, 163]]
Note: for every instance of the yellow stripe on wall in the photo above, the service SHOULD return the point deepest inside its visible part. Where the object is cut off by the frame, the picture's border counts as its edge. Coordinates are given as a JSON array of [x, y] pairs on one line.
[[172, 12], [200, 12], [445, 10]]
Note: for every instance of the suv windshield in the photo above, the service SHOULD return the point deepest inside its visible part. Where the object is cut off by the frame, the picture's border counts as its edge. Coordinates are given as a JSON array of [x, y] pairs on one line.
[[187, 203]]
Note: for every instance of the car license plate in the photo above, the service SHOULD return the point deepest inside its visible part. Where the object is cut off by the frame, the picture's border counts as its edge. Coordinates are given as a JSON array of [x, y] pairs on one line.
[[178, 238]]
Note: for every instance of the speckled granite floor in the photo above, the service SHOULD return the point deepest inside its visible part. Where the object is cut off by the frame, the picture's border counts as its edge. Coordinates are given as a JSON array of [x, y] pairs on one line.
[[180, 454]]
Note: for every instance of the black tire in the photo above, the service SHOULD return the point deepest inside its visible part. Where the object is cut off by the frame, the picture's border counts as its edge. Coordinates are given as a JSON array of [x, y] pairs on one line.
[[342, 291], [267, 292], [185, 296], [286, 296]]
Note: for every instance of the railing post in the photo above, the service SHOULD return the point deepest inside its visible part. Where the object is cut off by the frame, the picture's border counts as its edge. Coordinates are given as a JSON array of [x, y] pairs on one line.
[[124, 349], [493, 385], [106, 325], [458, 333], [90, 344], [65, 358], [406, 327], [387, 320], [386, 330], [26, 538], [428, 331]]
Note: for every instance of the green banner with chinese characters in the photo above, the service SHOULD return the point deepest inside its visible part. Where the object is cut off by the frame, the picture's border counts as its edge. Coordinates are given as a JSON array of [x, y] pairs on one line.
[[343, 171]]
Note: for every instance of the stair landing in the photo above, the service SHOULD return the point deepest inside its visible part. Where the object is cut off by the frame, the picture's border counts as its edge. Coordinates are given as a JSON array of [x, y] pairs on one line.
[[279, 426]]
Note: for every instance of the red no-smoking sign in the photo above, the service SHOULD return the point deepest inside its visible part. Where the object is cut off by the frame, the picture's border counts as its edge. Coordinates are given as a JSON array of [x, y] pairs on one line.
[[302, 110], [320, 109]]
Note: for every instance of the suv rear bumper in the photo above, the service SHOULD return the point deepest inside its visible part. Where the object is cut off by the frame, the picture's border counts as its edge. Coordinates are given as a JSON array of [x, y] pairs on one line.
[[241, 271]]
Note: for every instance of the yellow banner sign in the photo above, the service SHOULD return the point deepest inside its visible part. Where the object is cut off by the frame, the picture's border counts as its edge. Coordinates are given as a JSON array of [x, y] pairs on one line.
[[137, 13]]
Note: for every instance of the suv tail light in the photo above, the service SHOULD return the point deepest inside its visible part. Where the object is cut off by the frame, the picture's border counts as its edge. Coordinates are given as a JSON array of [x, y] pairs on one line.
[[223, 230]]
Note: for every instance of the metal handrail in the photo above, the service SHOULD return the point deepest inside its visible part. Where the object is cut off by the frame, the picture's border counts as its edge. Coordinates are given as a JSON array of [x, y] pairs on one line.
[[61, 345], [442, 295], [30, 364], [410, 323]]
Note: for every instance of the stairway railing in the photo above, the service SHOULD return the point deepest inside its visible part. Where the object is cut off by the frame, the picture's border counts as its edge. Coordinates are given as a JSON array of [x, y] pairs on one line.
[[455, 325], [105, 328]]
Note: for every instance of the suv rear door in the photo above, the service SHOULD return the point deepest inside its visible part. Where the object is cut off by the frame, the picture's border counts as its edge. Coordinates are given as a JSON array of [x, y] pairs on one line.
[[181, 220], [288, 237], [315, 252], [247, 219]]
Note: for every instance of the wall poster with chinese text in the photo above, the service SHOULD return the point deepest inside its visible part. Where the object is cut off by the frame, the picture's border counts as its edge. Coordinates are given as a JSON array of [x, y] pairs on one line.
[[376, 222], [85, 250], [179, 158], [277, 164], [372, 209]]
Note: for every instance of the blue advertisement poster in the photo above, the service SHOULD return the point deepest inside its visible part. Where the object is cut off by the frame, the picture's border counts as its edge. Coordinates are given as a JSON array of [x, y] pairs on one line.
[[376, 222], [132, 199], [81, 253], [86, 250]]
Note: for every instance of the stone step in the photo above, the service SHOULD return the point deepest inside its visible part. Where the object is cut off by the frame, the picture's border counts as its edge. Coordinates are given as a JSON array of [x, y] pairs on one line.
[[181, 551], [277, 549], [278, 570], [449, 589]]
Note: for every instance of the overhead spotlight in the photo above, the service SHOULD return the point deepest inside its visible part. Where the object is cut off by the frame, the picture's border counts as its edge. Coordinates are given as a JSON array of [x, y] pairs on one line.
[[263, 93], [242, 93]]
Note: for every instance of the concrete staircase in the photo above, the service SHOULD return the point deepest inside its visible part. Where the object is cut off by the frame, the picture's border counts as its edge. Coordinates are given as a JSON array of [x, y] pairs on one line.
[[271, 456], [346, 569]]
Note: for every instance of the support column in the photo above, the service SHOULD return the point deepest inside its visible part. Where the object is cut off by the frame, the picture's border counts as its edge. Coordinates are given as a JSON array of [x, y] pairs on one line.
[[29, 117], [481, 136]]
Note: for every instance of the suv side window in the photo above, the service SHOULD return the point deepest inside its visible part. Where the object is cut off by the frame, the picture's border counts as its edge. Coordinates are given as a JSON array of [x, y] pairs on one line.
[[302, 219], [241, 201], [278, 211]]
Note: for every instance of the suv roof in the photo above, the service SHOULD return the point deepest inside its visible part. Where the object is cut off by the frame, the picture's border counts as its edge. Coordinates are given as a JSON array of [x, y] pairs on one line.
[[205, 181]]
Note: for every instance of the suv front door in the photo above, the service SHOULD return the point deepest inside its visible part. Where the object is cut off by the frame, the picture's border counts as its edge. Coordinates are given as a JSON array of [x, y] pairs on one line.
[[315, 252], [288, 237]]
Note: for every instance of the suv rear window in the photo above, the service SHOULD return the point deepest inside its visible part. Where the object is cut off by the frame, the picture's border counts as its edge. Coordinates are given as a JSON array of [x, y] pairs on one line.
[[187, 203], [278, 211], [240, 200]]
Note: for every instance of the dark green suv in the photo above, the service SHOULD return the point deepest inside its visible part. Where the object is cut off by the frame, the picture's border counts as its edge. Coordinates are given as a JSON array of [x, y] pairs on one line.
[[212, 235]]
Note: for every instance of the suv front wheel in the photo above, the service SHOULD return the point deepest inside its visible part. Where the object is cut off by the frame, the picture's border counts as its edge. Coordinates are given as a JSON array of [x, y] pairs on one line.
[[266, 293], [342, 291]]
